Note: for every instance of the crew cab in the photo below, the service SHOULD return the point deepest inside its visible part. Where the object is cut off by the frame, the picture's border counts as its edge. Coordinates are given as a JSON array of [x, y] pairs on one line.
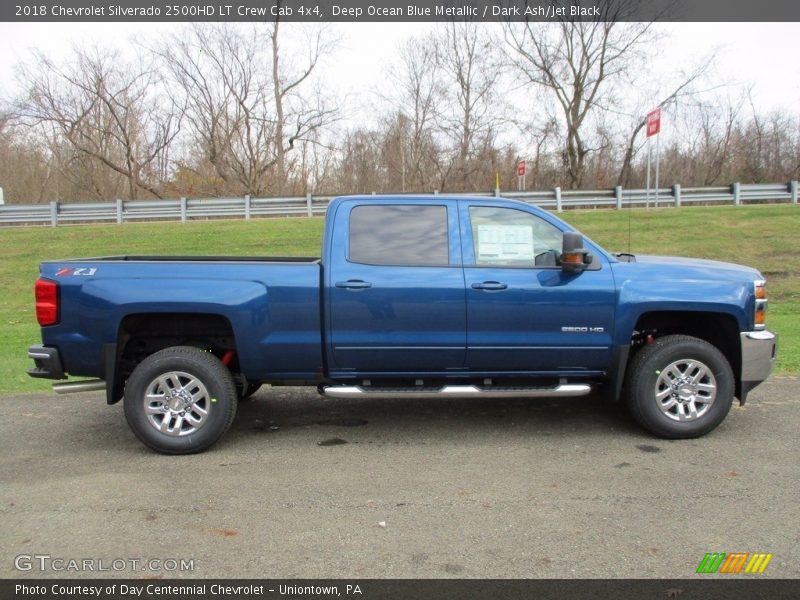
[[413, 295]]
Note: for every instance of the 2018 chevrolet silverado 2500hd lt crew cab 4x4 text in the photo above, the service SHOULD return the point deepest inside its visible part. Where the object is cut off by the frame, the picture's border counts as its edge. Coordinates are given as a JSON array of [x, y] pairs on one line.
[[427, 296]]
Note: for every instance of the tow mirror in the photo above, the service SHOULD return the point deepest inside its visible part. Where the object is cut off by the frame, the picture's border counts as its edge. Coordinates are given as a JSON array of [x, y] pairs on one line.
[[574, 257]]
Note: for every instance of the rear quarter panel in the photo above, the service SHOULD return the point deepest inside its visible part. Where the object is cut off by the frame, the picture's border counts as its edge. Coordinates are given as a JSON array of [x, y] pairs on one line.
[[276, 325]]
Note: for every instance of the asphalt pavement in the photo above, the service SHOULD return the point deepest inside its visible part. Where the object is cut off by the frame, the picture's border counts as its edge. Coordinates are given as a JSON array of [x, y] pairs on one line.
[[309, 487]]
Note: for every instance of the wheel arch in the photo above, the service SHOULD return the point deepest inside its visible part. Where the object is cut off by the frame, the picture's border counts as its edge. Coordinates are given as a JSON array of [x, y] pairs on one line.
[[721, 330], [141, 334]]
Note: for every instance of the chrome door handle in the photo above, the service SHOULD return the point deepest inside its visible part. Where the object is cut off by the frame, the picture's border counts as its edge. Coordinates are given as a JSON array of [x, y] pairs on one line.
[[490, 286], [353, 284]]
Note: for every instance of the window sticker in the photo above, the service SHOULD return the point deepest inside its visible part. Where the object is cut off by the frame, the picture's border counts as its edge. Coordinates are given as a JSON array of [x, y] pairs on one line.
[[505, 243]]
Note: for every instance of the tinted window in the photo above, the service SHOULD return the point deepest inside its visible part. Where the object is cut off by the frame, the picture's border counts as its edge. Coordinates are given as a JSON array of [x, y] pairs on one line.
[[504, 236], [399, 235]]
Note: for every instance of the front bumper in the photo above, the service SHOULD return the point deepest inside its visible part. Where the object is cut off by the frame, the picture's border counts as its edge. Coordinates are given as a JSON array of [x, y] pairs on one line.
[[759, 351], [48, 363]]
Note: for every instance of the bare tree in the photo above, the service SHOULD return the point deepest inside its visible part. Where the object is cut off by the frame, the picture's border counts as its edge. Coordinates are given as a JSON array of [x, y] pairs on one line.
[[762, 148], [106, 109], [540, 160], [248, 107], [5, 120], [577, 61], [469, 114], [413, 96], [217, 69], [31, 168], [359, 170], [300, 113], [679, 92], [243, 111], [717, 126]]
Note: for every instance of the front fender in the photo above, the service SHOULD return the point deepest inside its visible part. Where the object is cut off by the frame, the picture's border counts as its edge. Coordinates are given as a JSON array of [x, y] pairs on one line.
[[637, 298]]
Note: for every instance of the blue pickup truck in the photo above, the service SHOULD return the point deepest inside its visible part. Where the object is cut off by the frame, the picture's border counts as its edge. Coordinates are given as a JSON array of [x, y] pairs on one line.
[[427, 296]]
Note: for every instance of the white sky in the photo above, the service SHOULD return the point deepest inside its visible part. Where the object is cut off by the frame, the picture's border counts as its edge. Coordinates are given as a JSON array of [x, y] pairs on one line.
[[761, 55]]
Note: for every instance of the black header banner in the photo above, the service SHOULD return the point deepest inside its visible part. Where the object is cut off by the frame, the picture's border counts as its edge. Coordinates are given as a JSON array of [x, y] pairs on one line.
[[400, 10]]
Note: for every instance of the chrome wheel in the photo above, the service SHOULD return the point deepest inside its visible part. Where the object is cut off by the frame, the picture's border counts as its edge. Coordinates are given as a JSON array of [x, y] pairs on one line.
[[685, 390], [180, 400], [679, 387], [177, 403]]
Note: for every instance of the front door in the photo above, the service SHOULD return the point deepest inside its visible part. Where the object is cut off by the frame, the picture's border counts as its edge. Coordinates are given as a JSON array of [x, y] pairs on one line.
[[524, 314]]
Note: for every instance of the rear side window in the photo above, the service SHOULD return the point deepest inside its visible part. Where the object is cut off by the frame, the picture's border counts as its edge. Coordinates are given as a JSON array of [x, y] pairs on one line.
[[412, 235]]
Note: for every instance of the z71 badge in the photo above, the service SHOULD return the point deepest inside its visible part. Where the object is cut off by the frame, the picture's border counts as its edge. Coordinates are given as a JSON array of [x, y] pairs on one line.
[[85, 271]]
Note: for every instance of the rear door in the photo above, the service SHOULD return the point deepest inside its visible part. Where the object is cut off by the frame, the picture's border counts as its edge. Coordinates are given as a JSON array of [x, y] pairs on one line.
[[395, 288]]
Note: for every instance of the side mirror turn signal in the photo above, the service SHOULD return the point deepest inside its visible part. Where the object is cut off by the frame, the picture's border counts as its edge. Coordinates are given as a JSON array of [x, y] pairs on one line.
[[574, 257]]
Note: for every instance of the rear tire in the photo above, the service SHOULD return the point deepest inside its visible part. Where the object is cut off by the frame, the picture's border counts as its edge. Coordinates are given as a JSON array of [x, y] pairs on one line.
[[679, 387], [180, 400]]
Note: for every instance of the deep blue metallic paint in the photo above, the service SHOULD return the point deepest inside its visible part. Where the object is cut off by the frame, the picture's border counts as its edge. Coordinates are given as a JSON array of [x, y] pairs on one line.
[[520, 327], [276, 325], [411, 319], [676, 284]]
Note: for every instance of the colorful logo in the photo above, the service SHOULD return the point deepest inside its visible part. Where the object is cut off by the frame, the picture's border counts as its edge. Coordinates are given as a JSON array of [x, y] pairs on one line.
[[67, 271], [734, 562]]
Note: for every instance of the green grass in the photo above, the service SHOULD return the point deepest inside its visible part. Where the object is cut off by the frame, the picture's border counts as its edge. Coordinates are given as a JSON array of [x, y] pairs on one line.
[[765, 237]]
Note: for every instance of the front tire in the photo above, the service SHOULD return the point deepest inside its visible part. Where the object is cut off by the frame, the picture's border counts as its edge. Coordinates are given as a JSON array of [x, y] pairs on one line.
[[679, 387], [180, 400]]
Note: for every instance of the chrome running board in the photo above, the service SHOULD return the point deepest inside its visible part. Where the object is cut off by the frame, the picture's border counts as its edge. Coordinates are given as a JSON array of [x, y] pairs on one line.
[[453, 391], [92, 385]]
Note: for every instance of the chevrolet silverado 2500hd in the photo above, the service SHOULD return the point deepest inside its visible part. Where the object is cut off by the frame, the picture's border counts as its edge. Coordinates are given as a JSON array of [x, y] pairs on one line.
[[425, 296]]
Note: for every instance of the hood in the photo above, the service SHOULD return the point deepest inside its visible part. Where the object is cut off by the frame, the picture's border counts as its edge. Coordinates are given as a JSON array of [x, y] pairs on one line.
[[700, 267]]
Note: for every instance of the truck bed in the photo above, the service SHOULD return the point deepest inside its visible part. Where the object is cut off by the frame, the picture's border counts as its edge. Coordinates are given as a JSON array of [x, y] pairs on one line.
[[272, 305]]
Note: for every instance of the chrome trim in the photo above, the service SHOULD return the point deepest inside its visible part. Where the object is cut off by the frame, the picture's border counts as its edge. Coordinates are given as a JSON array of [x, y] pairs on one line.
[[38, 355], [685, 390], [562, 390], [92, 385], [478, 348], [400, 348], [177, 403], [761, 335], [759, 351]]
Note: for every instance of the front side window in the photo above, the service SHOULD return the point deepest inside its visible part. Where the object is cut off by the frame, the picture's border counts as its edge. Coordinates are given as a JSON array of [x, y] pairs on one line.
[[509, 237], [407, 235]]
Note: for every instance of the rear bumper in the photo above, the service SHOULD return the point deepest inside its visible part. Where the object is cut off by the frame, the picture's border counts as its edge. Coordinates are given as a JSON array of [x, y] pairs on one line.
[[48, 363], [759, 351]]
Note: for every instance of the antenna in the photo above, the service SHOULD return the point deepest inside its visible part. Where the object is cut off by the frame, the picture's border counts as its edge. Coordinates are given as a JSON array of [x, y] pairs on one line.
[[629, 223]]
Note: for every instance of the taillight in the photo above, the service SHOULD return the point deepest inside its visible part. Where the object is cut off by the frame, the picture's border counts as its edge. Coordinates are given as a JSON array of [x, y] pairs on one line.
[[46, 302], [760, 316]]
